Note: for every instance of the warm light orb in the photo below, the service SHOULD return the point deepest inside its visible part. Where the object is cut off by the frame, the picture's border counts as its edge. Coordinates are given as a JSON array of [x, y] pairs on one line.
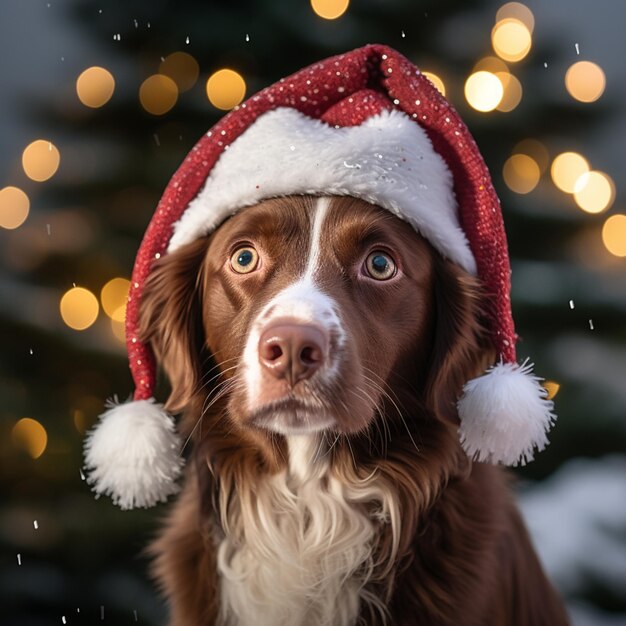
[[566, 169], [552, 388], [182, 68], [511, 39], [536, 150], [118, 326], [585, 81], [29, 435], [95, 87], [14, 207], [490, 64], [517, 11], [225, 89], [79, 308], [483, 91], [521, 173], [512, 95], [594, 192], [113, 297], [158, 94], [330, 9], [436, 80], [614, 234], [40, 160]]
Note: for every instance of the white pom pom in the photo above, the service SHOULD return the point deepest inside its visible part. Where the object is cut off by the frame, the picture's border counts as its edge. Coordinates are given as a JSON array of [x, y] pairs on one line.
[[133, 454], [505, 414]]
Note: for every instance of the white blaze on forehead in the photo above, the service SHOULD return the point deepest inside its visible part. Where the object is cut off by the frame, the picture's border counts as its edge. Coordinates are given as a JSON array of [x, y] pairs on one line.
[[303, 301], [321, 210]]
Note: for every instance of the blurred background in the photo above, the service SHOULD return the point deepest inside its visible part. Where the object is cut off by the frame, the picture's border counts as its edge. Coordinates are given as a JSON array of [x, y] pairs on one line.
[[100, 102]]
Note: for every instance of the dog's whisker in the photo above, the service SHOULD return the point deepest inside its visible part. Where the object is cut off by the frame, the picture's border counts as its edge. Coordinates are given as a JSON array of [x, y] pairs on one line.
[[400, 414], [219, 390], [221, 373]]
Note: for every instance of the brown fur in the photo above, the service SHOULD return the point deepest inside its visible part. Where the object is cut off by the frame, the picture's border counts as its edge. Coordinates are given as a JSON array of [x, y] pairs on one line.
[[464, 556]]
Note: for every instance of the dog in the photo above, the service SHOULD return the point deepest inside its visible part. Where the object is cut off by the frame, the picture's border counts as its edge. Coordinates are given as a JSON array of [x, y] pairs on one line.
[[316, 347]]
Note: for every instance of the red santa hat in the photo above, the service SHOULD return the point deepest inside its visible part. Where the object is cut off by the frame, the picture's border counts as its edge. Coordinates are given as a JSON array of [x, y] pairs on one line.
[[366, 124]]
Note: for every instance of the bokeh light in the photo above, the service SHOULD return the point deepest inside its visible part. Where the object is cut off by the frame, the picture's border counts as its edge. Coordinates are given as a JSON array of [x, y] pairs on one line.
[[95, 87], [29, 435], [40, 160], [182, 68], [521, 173], [585, 81], [594, 192], [490, 64], [113, 297], [14, 207], [158, 94], [225, 89], [511, 39], [330, 9], [118, 326], [483, 91], [517, 11], [536, 150], [79, 308], [437, 81], [566, 169], [80, 421], [512, 95], [614, 234], [552, 388]]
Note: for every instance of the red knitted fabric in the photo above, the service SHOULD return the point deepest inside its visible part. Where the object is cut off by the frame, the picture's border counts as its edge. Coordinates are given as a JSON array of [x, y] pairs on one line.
[[343, 91]]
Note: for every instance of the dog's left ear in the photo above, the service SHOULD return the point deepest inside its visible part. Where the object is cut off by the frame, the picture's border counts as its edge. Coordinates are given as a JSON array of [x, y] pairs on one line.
[[171, 320], [460, 351]]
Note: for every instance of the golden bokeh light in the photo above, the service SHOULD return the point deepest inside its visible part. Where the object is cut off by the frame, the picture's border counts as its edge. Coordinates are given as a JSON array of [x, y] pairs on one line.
[[511, 39], [40, 160], [95, 87], [585, 81], [512, 95], [29, 435], [517, 11], [594, 192], [158, 94], [113, 297], [566, 169], [182, 68], [118, 327], [437, 81], [490, 64], [614, 234], [80, 421], [552, 388], [536, 150], [330, 9], [225, 89], [521, 173], [14, 207], [483, 91], [79, 308]]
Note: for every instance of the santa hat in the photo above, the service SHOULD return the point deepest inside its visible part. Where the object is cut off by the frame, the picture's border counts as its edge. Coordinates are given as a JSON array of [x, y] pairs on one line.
[[366, 124]]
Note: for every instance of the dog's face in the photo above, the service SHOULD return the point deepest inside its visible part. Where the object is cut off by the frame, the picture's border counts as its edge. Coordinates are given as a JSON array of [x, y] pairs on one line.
[[315, 300], [318, 313]]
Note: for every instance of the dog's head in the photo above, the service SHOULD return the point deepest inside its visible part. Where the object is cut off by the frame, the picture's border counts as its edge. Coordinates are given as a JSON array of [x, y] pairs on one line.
[[318, 310], [307, 314]]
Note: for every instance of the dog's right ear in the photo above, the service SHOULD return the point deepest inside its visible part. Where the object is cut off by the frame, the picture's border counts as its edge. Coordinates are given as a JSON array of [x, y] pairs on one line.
[[171, 319]]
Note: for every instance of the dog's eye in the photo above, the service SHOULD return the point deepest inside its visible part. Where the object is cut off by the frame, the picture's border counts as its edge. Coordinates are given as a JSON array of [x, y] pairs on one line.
[[380, 265], [244, 260]]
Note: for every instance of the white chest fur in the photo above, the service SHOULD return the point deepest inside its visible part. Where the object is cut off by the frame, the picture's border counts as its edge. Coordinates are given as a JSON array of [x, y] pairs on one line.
[[301, 552]]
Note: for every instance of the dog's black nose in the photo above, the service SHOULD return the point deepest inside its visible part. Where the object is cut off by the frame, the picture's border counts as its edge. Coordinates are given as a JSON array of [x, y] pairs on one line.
[[292, 351]]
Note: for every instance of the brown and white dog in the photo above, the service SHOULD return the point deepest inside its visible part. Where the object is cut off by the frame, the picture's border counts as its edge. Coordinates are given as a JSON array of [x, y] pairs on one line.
[[316, 347]]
